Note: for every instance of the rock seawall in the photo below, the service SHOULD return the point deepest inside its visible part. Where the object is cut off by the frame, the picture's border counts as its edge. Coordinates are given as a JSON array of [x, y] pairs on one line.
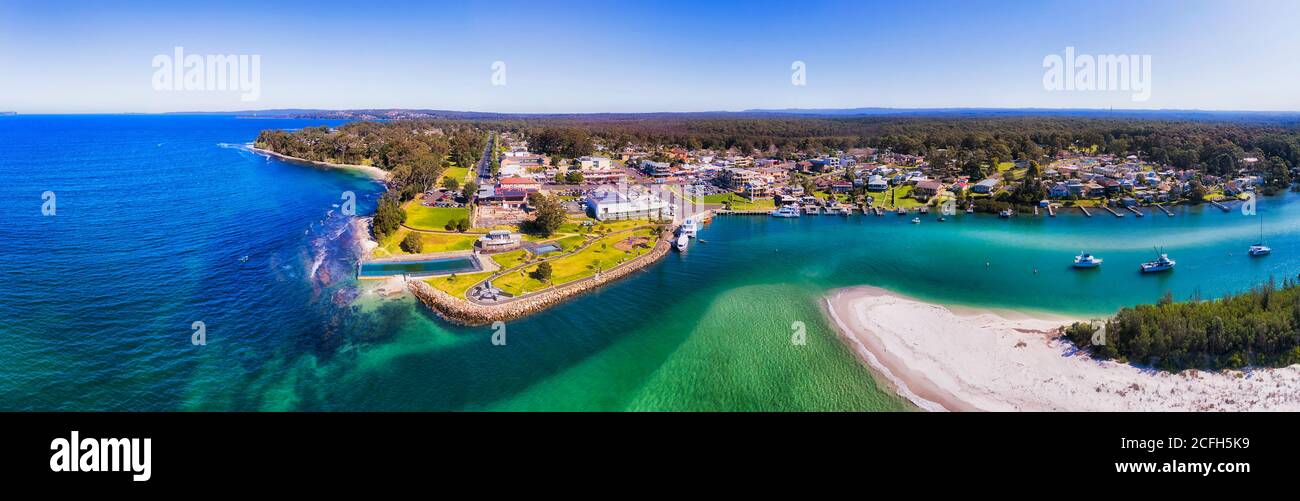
[[461, 311]]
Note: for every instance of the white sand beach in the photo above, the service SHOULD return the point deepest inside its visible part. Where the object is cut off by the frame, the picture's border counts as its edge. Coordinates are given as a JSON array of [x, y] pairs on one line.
[[962, 359], [372, 171]]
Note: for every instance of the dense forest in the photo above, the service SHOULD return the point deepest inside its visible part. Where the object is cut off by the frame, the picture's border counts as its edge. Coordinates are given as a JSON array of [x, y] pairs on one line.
[[1260, 327], [413, 152]]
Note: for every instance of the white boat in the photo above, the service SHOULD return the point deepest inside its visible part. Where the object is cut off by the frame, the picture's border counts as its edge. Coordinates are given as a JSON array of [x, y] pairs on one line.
[[1260, 249], [682, 242], [1004, 214], [689, 227], [1086, 260], [786, 211], [1162, 263], [916, 220]]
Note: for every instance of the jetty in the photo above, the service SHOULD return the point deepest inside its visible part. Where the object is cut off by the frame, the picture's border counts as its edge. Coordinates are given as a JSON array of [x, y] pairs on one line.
[[747, 212], [1085, 211], [1113, 211], [1219, 205], [1051, 211], [1135, 210], [1166, 211]]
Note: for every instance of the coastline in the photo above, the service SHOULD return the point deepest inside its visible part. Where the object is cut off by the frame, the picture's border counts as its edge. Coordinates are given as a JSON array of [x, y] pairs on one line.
[[372, 171], [463, 312], [968, 359]]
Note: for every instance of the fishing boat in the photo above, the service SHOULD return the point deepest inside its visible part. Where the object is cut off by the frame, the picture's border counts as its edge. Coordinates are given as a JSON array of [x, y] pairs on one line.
[[1260, 249], [1162, 263], [1086, 260], [786, 211], [682, 242]]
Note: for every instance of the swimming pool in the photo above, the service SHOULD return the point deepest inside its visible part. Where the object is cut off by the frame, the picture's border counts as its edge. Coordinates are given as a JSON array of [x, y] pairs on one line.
[[428, 267], [546, 249]]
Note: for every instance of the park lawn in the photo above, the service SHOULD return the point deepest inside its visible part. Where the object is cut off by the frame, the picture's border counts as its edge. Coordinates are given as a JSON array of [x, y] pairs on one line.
[[456, 285], [457, 173], [511, 259], [717, 198], [570, 243], [900, 198], [432, 218], [577, 266], [741, 203], [433, 242], [1005, 166]]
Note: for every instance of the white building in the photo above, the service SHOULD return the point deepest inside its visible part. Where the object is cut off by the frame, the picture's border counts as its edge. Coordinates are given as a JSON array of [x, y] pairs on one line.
[[608, 203], [594, 163]]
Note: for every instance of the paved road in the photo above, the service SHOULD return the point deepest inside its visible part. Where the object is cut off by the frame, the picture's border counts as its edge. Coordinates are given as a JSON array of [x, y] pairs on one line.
[[485, 162]]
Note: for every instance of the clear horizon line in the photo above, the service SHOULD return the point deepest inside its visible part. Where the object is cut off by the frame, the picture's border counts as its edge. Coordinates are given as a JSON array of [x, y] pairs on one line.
[[746, 110]]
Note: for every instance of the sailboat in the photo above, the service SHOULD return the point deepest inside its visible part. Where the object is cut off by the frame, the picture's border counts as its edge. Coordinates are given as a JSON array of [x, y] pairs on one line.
[[1260, 249]]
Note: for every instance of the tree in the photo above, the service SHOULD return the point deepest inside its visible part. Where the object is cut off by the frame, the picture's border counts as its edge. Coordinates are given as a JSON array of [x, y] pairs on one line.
[[548, 214], [542, 273], [451, 184], [575, 177], [462, 225], [389, 215], [469, 190], [412, 243]]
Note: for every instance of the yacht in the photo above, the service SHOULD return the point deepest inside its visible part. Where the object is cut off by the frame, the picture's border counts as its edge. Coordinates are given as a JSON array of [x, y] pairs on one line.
[[1086, 260], [916, 220], [1004, 214], [1162, 263], [689, 228], [1260, 249], [682, 242], [786, 211]]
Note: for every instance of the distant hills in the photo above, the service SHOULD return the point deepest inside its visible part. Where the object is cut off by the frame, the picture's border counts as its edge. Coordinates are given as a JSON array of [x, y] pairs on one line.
[[402, 114]]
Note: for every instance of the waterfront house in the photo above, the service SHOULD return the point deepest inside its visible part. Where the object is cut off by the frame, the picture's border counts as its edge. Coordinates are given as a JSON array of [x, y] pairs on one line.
[[1058, 190], [877, 183], [927, 188], [985, 187]]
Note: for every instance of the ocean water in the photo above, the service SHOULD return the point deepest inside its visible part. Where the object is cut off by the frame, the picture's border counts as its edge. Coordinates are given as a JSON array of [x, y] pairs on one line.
[[163, 221]]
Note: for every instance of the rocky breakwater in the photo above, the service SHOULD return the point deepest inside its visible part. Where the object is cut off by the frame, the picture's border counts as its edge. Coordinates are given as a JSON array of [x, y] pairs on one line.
[[464, 312]]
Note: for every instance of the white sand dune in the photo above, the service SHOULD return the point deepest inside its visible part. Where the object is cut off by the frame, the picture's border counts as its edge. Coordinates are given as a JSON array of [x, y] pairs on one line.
[[960, 359]]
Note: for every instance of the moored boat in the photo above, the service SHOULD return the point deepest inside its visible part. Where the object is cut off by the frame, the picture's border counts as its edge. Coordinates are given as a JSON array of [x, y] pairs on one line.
[[1162, 263], [786, 211], [1086, 260]]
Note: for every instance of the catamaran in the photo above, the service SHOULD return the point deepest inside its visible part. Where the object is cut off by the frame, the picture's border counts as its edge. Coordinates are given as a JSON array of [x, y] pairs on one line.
[[1086, 260], [1162, 263], [786, 211], [1260, 249]]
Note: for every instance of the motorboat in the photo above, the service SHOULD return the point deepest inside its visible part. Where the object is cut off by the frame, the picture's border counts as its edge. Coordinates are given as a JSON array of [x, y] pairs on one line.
[[1162, 263], [786, 211], [1086, 260]]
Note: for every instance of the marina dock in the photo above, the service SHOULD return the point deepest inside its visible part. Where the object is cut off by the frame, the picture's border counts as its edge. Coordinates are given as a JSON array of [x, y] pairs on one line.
[[1135, 210], [1051, 211], [1085, 211], [1112, 211], [1166, 211], [1219, 205]]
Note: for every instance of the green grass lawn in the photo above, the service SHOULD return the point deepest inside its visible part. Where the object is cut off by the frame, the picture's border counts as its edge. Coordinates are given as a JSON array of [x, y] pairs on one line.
[[456, 285], [600, 255], [510, 259], [457, 173], [432, 218], [433, 242]]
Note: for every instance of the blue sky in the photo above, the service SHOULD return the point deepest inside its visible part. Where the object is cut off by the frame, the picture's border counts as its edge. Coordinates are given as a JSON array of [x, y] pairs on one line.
[[77, 57]]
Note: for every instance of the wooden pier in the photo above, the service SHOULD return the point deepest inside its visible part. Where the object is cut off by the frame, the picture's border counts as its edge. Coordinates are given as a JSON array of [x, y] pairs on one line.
[[1134, 210], [1219, 205], [1051, 211], [1085, 211], [1113, 211], [1166, 211]]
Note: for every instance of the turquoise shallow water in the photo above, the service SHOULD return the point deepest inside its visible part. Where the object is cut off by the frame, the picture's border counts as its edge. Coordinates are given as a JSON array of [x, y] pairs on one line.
[[156, 216]]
